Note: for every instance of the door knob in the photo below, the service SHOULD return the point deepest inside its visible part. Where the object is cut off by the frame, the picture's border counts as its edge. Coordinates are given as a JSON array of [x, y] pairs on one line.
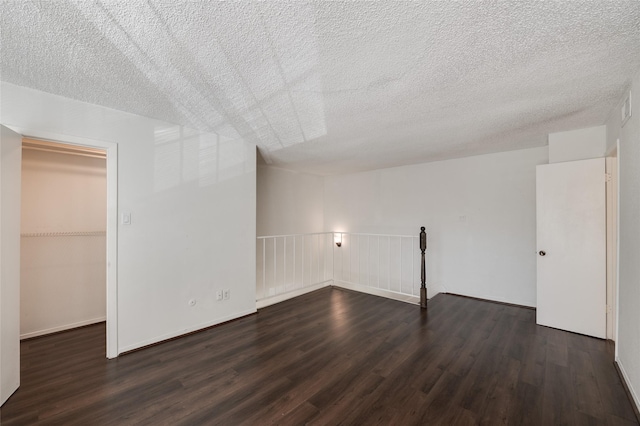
[[542, 253]]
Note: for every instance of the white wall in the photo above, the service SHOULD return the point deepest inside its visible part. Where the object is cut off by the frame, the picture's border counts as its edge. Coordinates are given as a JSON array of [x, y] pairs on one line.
[[10, 160], [63, 278], [479, 213], [289, 202], [628, 343], [580, 144], [192, 199]]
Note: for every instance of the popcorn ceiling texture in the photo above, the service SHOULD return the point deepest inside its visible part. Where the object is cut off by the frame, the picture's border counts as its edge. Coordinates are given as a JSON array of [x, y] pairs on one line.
[[336, 87]]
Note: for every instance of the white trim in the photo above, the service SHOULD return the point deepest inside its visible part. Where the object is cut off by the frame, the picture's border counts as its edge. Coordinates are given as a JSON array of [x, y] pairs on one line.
[[62, 328], [611, 163], [627, 381], [112, 222], [617, 295], [380, 235], [336, 232], [112, 252], [188, 330], [291, 294], [415, 300], [262, 237], [491, 298]]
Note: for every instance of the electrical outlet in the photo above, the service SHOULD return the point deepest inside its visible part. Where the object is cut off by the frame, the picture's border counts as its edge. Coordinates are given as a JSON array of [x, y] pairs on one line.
[[226, 294], [219, 295]]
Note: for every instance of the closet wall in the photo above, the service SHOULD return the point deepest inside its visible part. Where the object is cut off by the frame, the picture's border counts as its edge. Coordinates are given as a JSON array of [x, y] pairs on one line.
[[63, 241]]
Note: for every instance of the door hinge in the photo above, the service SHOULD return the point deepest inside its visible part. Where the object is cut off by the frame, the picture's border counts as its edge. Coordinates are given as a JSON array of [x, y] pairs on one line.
[[608, 308], [607, 177]]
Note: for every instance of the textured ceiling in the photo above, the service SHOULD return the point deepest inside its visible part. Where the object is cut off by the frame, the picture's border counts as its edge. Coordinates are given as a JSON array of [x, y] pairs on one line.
[[334, 87]]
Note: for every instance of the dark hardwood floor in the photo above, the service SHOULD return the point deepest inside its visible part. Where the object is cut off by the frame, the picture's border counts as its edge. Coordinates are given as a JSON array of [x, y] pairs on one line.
[[331, 357]]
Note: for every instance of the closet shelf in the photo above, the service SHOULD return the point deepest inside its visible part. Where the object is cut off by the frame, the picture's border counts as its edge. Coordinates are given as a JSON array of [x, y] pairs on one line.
[[65, 234]]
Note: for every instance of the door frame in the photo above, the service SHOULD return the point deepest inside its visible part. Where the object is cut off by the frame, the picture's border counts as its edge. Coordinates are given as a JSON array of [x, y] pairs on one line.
[[111, 149], [613, 196], [616, 296]]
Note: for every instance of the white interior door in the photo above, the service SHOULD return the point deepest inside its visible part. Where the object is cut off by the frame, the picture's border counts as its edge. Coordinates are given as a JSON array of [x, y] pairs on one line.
[[571, 239], [10, 171]]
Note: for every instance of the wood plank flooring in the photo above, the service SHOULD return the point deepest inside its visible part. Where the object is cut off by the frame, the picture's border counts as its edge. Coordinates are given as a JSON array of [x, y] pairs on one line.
[[331, 357]]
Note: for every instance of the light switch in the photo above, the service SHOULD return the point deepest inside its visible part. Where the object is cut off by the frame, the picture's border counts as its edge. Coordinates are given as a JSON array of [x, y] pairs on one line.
[[126, 218]]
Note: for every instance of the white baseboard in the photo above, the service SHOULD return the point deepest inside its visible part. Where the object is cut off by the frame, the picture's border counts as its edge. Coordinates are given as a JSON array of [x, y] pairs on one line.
[[188, 330], [378, 292], [627, 382], [61, 328], [291, 294]]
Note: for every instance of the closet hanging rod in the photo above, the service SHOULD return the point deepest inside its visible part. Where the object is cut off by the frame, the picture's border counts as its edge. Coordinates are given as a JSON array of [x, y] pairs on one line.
[[65, 234], [38, 145]]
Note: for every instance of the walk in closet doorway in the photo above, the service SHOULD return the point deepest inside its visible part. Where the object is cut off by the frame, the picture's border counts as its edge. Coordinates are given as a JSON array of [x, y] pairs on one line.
[[63, 237]]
